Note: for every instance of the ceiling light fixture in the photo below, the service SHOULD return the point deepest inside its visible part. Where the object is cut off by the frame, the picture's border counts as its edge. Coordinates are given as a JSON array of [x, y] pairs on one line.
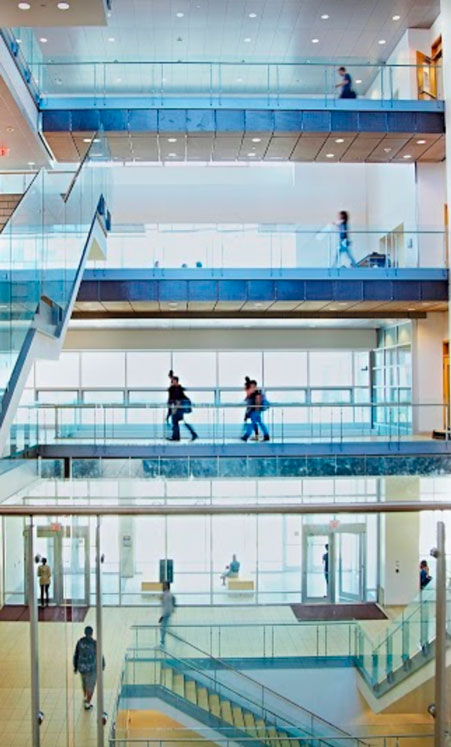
[[251, 155], [63, 6], [24, 6], [324, 17], [339, 140], [256, 139], [396, 18], [381, 41], [31, 163], [172, 155], [359, 80], [86, 139], [387, 150], [111, 39], [407, 155], [179, 15], [172, 139], [43, 40], [18, 41], [247, 39], [421, 142], [330, 155], [315, 41], [252, 15]]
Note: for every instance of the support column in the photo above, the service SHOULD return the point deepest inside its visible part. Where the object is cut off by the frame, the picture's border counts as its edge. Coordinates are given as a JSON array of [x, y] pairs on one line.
[[428, 336], [440, 640], [445, 15], [399, 574], [99, 637], [34, 639]]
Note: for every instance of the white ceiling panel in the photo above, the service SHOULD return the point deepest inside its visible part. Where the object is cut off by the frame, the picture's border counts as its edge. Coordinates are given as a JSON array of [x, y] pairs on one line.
[[79, 13]]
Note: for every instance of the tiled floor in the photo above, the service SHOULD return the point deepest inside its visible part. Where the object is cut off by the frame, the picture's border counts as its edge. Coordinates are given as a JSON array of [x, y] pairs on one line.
[[61, 699]]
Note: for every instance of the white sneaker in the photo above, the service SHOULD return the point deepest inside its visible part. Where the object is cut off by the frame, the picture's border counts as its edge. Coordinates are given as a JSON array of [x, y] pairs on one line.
[[255, 437], [88, 706]]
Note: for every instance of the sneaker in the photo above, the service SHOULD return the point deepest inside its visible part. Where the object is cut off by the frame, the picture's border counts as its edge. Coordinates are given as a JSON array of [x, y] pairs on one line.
[[172, 439], [88, 706], [194, 437], [243, 438], [254, 438], [266, 438]]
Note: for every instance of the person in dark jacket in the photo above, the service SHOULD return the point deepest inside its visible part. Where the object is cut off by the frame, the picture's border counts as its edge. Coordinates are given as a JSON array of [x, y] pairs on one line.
[[425, 577], [254, 411], [179, 404], [85, 662], [344, 243]]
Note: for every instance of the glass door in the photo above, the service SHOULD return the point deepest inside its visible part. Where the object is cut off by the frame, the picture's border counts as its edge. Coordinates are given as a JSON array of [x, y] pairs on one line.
[[316, 576], [66, 549], [350, 566]]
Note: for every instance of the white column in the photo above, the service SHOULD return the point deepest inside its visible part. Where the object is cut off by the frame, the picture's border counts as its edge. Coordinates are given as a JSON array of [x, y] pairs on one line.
[[428, 336], [399, 574]]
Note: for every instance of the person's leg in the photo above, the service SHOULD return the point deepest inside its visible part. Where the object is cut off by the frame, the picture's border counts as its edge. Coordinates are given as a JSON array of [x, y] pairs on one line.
[[191, 430], [256, 417], [42, 595], [46, 588], [346, 250], [248, 426], [90, 683], [164, 625], [175, 426]]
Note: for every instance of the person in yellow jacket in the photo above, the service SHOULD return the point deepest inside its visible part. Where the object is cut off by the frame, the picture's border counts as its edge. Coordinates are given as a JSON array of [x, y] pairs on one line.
[[44, 575]]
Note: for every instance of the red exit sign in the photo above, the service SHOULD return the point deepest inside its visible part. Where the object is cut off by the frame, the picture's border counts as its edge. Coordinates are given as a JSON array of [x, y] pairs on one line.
[[4, 152]]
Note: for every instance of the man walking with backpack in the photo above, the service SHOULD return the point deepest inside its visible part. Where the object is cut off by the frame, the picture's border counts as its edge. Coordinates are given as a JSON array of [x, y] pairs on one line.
[[85, 662]]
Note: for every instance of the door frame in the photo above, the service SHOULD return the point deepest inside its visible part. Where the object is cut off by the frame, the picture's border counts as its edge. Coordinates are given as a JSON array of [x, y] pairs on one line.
[[331, 533], [58, 533]]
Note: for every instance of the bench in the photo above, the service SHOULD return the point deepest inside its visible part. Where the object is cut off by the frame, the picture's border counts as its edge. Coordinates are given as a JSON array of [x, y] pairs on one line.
[[240, 584], [153, 586]]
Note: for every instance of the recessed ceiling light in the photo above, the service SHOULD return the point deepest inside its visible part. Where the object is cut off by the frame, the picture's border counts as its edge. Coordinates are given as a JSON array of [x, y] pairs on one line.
[[421, 142], [256, 139], [387, 150], [43, 40], [31, 163], [359, 80], [315, 41], [411, 308], [381, 41], [10, 129], [396, 18], [252, 15], [247, 39], [24, 6], [258, 304], [339, 140], [111, 39], [172, 155], [324, 17], [172, 139], [251, 155], [86, 139], [407, 155], [18, 41], [179, 15], [330, 155], [63, 6]]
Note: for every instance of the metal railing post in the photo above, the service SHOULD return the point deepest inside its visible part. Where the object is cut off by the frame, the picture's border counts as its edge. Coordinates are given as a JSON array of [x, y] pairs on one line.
[[34, 639], [99, 635], [440, 639]]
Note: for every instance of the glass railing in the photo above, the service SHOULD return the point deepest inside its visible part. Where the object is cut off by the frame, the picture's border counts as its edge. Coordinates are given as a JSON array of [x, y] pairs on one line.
[[15, 182], [213, 83], [228, 684], [270, 246], [41, 250], [149, 422], [412, 740]]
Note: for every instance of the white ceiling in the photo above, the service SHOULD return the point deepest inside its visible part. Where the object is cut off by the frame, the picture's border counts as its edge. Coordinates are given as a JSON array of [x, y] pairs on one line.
[[217, 29], [47, 13]]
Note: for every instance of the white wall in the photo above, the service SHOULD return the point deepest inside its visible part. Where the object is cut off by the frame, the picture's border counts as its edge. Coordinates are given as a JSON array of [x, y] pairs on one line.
[[220, 339], [399, 573], [431, 199], [428, 336]]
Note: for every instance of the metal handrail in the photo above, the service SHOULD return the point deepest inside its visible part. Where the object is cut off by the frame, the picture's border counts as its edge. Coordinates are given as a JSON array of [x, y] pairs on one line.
[[188, 510]]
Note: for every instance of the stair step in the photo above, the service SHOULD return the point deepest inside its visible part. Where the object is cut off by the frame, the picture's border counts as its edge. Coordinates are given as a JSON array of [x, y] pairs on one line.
[[238, 719], [215, 708], [191, 692], [168, 676], [226, 712], [202, 698], [273, 737], [283, 739], [249, 722], [260, 726], [178, 685]]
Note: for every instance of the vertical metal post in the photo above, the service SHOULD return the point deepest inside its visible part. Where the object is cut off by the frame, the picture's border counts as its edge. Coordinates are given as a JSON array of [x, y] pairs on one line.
[[34, 639], [440, 640], [99, 636]]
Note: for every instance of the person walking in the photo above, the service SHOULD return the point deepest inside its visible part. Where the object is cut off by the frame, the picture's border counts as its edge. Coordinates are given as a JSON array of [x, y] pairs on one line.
[[180, 405], [256, 404], [345, 85], [326, 566], [85, 662], [44, 576], [247, 386], [425, 576], [167, 610], [344, 243]]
